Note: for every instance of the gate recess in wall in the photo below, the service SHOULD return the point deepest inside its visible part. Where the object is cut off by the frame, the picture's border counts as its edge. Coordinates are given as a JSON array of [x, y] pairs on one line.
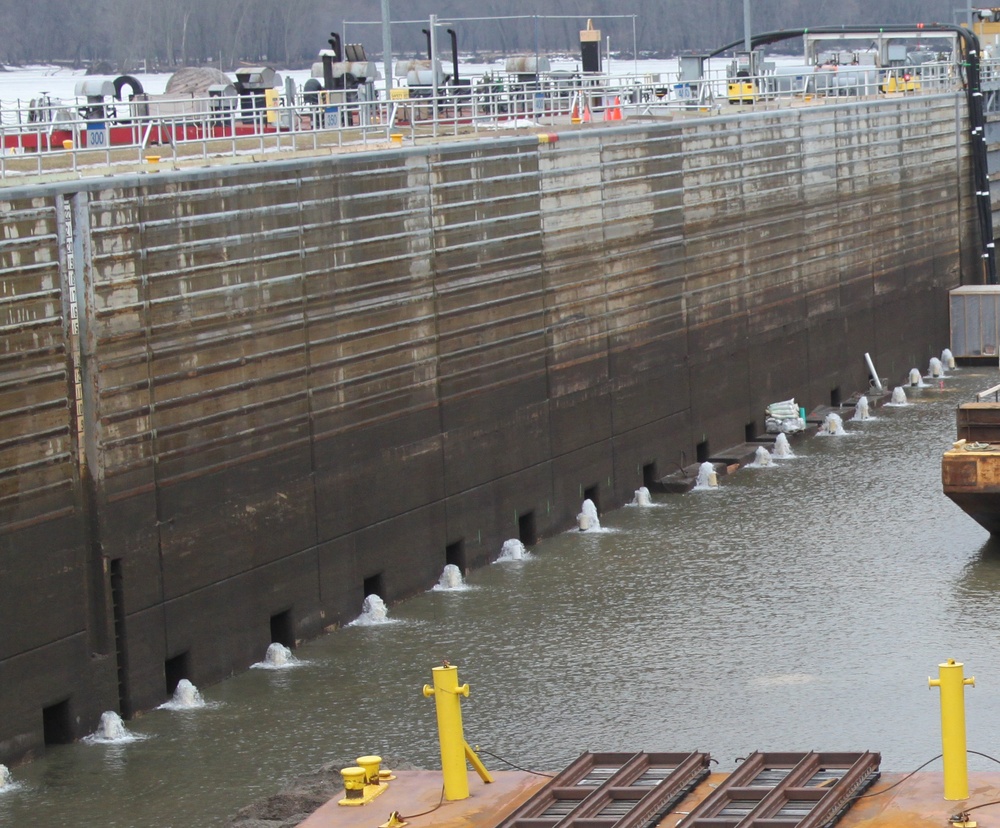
[[613, 790]]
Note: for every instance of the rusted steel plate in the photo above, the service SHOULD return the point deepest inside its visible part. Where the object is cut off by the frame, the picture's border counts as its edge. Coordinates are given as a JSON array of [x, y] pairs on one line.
[[793, 790], [612, 790]]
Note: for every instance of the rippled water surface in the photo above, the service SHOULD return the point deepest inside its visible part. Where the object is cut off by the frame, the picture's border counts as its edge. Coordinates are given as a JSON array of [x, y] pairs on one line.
[[797, 607]]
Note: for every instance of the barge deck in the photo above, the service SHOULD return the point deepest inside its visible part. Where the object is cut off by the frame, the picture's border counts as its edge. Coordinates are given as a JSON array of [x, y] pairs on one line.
[[896, 800]]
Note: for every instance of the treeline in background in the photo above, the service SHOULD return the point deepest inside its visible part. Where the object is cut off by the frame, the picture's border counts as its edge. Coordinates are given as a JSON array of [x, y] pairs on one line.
[[132, 35]]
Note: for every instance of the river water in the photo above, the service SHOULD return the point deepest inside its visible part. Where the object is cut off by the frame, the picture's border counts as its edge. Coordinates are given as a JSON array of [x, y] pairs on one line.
[[797, 607]]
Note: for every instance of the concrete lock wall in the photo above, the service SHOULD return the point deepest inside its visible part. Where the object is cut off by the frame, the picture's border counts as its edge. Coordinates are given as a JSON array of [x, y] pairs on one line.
[[233, 400]]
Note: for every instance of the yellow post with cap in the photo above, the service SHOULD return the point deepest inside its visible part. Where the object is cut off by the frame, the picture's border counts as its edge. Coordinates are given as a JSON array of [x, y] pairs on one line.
[[454, 750], [956, 764]]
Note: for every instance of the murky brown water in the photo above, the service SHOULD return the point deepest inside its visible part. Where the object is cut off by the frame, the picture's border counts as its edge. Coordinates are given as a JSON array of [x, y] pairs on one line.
[[798, 607]]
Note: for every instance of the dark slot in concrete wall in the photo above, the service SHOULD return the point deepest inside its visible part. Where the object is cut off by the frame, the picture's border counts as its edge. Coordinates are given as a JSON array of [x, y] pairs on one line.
[[282, 628]]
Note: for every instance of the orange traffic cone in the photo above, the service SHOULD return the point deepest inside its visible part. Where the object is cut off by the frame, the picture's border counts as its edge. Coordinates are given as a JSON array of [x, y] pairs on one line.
[[586, 113], [616, 110], [574, 117]]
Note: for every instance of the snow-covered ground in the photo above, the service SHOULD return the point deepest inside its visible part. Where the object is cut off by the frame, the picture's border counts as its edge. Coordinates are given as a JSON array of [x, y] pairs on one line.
[[25, 84]]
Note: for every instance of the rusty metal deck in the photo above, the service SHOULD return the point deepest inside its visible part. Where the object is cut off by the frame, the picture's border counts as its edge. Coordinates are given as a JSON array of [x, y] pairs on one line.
[[896, 800]]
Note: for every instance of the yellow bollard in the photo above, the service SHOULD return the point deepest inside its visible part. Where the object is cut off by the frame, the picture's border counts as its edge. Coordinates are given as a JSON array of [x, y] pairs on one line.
[[371, 767], [454, 750], [364, 782], [956, 764], [449, 718], [354, 782]]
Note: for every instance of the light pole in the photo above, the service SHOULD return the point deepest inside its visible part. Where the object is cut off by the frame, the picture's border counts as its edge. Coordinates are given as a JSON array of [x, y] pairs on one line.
[[746, 25], [435, 81], [387, 48], [434, 74], [635, 51]]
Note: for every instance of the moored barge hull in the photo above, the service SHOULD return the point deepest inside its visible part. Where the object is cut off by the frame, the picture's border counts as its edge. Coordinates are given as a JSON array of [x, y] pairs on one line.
[[970, 469]]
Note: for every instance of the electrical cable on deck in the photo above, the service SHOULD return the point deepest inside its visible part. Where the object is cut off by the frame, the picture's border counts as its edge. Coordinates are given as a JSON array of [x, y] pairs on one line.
[[424, 813], [895, 784], [962, 817], [516, 767]]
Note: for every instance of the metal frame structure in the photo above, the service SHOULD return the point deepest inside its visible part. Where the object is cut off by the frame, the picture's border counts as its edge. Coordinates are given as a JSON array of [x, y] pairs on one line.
[[613, 790]]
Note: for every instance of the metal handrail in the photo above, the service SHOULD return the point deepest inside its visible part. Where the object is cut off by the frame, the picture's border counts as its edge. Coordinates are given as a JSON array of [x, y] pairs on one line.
[[994, 391], [205, 127]]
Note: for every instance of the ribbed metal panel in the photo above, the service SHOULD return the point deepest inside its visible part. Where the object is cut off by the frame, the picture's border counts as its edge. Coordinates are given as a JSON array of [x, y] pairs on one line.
[[37, 445], [795, 790]]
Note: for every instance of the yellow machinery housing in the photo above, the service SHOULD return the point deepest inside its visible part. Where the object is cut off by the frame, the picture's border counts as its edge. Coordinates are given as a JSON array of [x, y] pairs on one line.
[[741, 91], [986, 26], [905, 82]]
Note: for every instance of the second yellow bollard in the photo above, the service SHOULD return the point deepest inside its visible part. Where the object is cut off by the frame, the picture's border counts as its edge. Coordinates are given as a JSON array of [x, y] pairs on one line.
[[449, 718], [371, 766], [454, 750], [953, 750]]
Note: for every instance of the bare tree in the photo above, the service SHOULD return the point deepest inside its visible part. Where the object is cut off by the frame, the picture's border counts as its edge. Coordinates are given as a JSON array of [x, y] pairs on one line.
[[130, 32]]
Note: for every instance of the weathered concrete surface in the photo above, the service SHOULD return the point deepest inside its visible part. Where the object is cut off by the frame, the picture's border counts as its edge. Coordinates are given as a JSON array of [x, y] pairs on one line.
[[234, 400]]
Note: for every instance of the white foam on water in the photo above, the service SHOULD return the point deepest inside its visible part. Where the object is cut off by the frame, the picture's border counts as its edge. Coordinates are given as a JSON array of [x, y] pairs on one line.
[[641, 497], [782, 448], [451, 581], [112, 731], [278, 657], [186, 697], [783, 679], [832, 426], [762, 459], [374, 613], [587, 520], [7, 783], [898, 399], [861, 410], [513, 550], [707, 479]]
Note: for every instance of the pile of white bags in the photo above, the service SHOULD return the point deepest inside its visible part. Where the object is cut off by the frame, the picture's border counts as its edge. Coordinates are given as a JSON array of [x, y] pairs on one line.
[[783, 417]]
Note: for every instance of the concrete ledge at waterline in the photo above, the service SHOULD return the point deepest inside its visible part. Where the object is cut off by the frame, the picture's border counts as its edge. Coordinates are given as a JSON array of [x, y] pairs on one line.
[[414, 792]]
